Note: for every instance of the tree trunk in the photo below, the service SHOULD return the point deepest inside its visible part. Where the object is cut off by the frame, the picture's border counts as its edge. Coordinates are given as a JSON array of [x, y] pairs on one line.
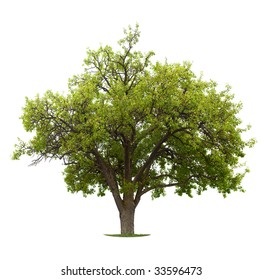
[[127, 216]]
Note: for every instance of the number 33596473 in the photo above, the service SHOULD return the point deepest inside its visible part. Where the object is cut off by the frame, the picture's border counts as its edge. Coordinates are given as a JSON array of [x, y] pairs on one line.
[[173, 270]]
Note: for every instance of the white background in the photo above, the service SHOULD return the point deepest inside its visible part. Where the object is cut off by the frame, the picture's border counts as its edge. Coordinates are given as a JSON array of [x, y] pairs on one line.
[[43, 227]]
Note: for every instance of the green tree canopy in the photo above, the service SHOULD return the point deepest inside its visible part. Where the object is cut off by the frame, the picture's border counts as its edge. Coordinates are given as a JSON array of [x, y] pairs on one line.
[[130, 127]]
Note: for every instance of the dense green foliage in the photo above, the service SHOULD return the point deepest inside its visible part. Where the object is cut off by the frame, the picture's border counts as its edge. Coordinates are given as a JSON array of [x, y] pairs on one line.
[[130, 126]]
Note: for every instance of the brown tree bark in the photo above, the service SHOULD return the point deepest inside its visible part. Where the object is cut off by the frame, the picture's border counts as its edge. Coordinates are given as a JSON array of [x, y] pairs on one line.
[[127, 217]]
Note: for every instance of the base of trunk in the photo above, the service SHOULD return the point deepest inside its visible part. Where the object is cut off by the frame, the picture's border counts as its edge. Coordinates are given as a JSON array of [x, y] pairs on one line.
[[127, 217]]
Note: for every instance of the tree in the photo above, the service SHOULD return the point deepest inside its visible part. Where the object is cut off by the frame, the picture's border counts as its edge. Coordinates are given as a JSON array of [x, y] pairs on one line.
[[130, 126]]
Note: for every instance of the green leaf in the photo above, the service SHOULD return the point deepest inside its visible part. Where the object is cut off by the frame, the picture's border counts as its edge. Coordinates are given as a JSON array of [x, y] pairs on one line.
[[130, 126]]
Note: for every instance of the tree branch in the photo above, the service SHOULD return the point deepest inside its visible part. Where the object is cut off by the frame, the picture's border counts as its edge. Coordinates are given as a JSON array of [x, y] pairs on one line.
[[158, 187], [110, 177], [151, 158]]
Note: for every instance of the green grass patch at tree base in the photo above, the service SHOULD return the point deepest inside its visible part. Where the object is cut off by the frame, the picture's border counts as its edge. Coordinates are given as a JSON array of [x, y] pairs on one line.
[[127, 235]]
